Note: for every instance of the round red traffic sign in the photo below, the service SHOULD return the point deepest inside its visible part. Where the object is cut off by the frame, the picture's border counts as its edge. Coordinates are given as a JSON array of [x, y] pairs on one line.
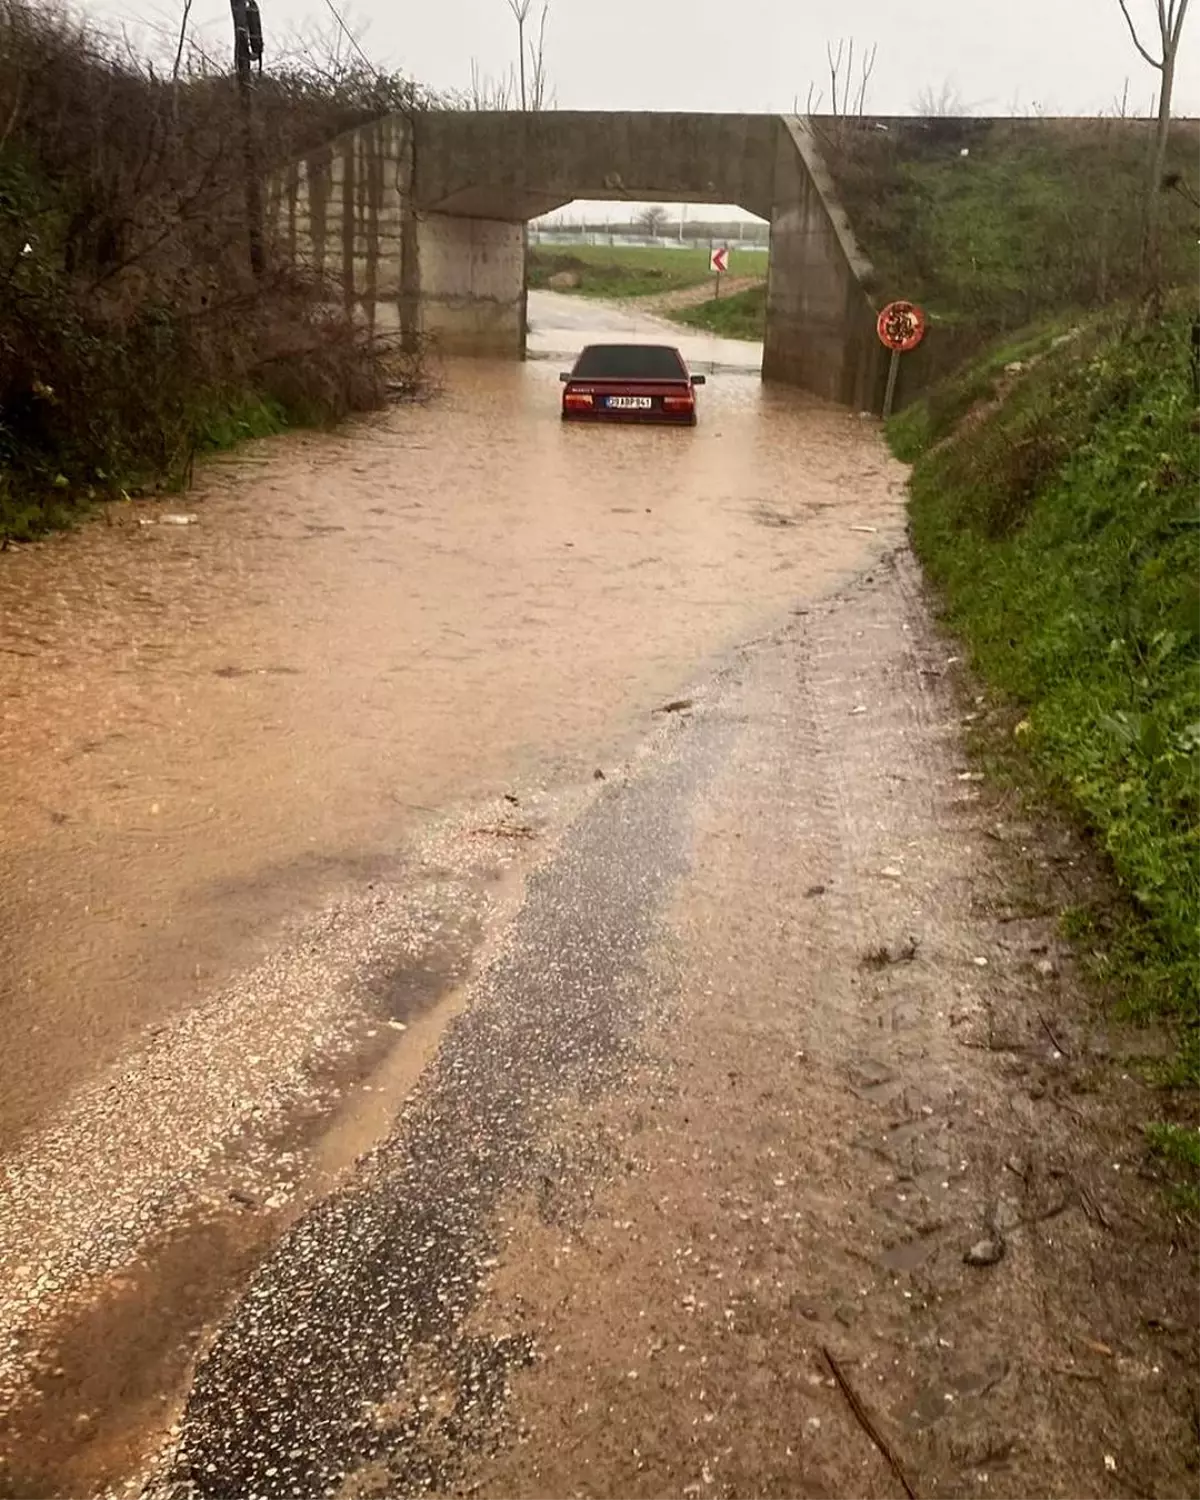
[[901, 326]]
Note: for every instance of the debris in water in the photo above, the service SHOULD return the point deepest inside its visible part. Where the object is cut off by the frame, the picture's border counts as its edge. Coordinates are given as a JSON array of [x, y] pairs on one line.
[[676, 706]]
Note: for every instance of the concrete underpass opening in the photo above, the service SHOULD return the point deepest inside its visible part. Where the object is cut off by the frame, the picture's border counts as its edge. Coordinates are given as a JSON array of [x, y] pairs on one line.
[[643, 257], [428, 215]]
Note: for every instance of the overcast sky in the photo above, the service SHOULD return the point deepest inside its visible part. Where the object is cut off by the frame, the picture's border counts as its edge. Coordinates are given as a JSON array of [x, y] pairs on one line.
[[1001, 56]]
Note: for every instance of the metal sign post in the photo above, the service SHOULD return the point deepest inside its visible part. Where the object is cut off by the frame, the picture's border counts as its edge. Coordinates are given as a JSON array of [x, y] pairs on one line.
[[890, 394], [718, 264], [900, 326]]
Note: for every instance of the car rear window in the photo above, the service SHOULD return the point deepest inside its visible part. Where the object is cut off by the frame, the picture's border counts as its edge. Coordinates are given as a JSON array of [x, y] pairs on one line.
[[629, 362]]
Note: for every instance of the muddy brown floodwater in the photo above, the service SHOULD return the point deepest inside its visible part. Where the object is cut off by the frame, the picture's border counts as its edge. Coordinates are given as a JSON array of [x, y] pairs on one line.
[[230, 752], [205, 724]]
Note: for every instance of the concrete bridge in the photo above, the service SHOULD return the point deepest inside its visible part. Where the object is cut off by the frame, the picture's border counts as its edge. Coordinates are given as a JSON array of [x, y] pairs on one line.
[[426, 215]]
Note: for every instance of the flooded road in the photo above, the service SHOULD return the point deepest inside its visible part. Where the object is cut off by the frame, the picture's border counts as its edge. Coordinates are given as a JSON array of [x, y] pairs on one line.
[[559, 325], [204, 724], [223, 741]]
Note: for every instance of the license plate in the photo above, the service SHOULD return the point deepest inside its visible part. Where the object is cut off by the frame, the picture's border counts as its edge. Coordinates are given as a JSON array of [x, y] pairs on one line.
[[630, 403]]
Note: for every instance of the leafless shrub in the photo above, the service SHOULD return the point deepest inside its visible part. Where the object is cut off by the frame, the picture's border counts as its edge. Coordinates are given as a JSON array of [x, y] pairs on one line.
[[129, 319], [532, 87], [847, 91], [945, 103]]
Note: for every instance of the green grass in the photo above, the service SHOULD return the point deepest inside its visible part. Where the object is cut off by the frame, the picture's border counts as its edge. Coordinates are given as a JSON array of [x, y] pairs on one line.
[[1035, 217], [35, 501], [925, 422], [1060, 521], [1177, 1148], [615, 271], [238, 418], [742, 315]]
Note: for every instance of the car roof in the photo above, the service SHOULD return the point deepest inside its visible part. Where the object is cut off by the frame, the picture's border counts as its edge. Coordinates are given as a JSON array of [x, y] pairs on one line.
[[636, 344], [633, 354]]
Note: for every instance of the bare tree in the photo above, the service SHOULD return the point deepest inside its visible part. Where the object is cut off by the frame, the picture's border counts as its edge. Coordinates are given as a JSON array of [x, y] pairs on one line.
[[532, 90], [840, 83], [848, 96], [652, 221], [520, 10], [1169, 16], [537, 65]]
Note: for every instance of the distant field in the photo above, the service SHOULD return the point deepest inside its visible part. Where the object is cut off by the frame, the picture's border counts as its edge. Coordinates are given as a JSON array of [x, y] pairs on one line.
[[742, 315], [631, 270]]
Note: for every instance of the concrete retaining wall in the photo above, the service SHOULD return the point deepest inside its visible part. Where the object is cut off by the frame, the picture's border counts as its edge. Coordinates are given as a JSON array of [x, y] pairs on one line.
[[820, 319], [339, 212]]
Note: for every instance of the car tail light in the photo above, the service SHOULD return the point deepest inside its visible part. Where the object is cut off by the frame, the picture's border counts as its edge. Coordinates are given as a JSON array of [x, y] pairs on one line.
[[579, 401], [679, 403]]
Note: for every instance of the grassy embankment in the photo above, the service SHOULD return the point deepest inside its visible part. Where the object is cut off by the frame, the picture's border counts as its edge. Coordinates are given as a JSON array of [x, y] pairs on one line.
[[994, 225], [1055, 508], [741, 315]]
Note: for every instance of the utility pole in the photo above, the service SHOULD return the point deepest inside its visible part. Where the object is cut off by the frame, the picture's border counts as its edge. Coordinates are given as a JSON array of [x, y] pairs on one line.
[[247, 48]]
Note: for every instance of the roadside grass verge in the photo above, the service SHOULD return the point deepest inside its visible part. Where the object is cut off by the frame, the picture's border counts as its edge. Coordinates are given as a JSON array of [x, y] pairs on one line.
[[1055, 508], [1177, 1148], [33, 503], [742, 315], [616, 271]]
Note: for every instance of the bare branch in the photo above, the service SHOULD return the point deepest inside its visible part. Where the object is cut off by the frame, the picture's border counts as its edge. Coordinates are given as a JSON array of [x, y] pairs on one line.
[[835, 65], [1137, 41], [868, 68], [537, 61], [350, 37], [187, 10]]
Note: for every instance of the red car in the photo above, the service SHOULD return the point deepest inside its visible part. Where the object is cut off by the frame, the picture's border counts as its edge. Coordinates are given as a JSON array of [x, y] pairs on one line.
[[630, 383]]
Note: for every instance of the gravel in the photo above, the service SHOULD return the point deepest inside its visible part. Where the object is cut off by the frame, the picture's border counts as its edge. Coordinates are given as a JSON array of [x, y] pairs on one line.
[[369, 1295]]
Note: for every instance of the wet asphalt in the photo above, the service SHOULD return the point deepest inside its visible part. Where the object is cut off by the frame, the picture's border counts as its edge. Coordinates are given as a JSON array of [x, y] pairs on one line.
[[351, 1350]]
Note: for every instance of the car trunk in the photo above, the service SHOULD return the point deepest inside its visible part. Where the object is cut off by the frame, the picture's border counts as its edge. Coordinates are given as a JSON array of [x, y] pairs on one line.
[[629, 398]]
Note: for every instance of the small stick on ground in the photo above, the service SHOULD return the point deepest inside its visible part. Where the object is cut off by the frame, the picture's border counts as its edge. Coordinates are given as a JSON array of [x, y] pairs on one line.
[[865, 1422], [1058, 1046]]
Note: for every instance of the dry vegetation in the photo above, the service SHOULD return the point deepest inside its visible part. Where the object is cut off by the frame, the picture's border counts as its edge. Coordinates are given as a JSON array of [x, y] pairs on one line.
[[132, 331]]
